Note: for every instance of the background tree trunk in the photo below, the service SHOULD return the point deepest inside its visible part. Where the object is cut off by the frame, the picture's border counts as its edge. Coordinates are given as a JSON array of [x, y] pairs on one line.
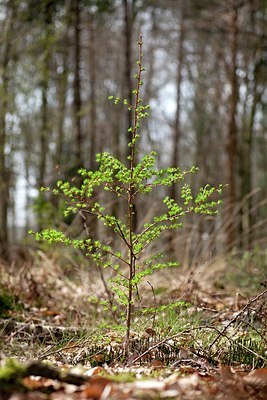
[[45, 120], [92, 96], [176, 137], [45, 124], [77, 103], [232, 141], [93, 225], [4, 176], [176, 134], [245, 161], [61, 98], [128, 26], [4, 100]]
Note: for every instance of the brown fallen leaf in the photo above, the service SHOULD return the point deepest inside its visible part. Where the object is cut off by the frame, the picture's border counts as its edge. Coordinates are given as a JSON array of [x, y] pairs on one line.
[[156, 364], [233, 385], [98, 360], [186, 370], [48, 313], [226, 373], [96, 386], [257, 379], [37, 383], [151, 332]]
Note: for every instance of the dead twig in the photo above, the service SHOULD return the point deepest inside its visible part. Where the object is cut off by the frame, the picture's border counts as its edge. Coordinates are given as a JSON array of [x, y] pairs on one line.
[[221, 333]]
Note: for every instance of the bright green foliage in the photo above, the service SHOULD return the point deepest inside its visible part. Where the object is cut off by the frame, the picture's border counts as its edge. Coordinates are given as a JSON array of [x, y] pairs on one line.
[[128, 183]]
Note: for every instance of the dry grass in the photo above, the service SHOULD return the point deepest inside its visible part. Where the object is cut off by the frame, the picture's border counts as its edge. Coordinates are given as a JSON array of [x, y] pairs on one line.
[[53, 286]]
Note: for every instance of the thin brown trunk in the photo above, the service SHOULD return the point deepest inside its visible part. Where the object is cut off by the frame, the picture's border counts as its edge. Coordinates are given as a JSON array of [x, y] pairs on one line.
[[4, 185], [150, 70], [128, 27], [245, 170], [176, 138], [27, 193], [128, 24], [177, 123], [4, 175], [44, 125], [92, 114], [44, 138], [92, 98], [77, 85], [232, 128], [59, 161], [62, 94], [45, 128]]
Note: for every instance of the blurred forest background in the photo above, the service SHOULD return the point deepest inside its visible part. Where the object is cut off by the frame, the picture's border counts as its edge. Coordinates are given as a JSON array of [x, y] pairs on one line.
[[205, 79]]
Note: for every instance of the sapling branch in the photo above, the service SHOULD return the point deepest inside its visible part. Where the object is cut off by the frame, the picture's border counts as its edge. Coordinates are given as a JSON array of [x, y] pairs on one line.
[[111, 188], [122, 235]]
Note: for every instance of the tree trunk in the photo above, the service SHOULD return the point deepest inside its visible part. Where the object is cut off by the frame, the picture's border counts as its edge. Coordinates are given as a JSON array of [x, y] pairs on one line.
[[128, 25], [4, 173], [231, 146], [176, 137], [92, 114], [59, 162], [92, 97], [77, 85], [62, 94], [44, 126], [4, 176], [177, 123], [245, 163], [150, 72]]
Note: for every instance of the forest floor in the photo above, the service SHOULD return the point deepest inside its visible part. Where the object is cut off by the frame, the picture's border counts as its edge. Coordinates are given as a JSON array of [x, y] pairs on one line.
[[55, 344]]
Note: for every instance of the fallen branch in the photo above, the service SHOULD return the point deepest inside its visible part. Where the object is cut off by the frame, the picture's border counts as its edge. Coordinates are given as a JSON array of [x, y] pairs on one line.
[[45, 371]]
